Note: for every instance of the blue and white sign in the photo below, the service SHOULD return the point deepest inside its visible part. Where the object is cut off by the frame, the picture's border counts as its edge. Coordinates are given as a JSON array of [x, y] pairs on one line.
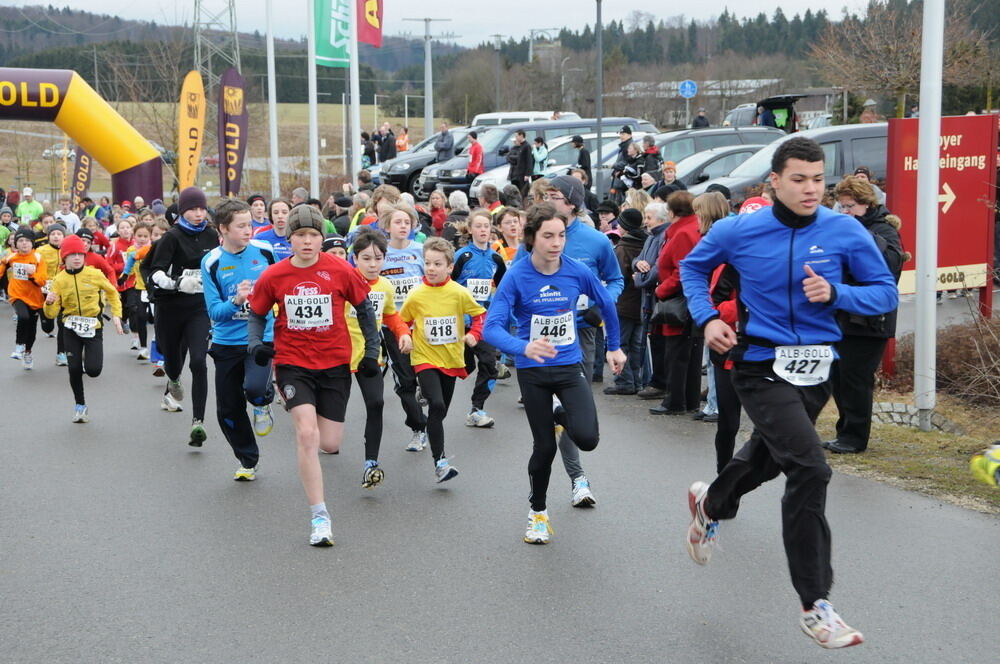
[[688, 89]]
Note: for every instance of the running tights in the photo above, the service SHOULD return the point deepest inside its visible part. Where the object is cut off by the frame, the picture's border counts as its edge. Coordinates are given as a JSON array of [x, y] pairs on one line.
[[84, 356], [27, 325], [438, 389], [183, 328], [372, 394]]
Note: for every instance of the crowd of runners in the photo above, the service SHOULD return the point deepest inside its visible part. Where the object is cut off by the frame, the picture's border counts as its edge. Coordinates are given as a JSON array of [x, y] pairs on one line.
[[292, 297]]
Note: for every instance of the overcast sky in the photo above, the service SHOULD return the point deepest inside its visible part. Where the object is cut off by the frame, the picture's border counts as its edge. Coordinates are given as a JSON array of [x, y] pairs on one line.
[[472, 22]]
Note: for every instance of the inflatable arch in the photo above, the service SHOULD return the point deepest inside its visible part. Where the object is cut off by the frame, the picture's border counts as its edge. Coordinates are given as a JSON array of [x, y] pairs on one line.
[[62, 96]]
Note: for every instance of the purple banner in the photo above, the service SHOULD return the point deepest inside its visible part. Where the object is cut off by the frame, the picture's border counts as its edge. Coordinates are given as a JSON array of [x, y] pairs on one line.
[[233, 121], [82, 172]]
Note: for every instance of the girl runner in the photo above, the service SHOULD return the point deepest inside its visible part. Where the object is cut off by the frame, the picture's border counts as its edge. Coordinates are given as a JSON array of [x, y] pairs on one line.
[[277, 234], [28, 273], [139, 303], [258, 211]]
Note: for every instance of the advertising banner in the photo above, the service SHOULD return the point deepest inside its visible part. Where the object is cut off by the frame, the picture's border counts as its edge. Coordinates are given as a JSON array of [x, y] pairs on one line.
[[190, 129], [82, 172], [370, 22], [333, 25], [233, 121]]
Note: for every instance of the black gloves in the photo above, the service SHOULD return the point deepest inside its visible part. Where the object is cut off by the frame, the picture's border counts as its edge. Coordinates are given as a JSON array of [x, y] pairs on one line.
[[368, 367], [592, 316], [262, 354]]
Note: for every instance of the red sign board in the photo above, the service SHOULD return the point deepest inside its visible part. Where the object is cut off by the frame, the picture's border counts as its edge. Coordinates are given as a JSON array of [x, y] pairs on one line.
[[966, 198]]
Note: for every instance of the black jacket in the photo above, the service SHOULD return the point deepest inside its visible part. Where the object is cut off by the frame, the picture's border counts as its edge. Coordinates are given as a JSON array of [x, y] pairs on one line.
[[887, 239], [387, 148], [583, 163], [700, 123], [520, 161]]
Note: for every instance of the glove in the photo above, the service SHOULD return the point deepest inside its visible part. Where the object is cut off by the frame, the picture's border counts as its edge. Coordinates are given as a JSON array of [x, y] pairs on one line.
[[262, 354], [368, 367], [592, 316], [189, 285]]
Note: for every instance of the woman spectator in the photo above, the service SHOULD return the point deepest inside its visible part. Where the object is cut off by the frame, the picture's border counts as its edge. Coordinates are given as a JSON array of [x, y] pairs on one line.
[[683, 349], [632, 334], [438, 209], [651, 159], [455, 223], [539, 155], [637, 200], [669, 181], [634, 165]]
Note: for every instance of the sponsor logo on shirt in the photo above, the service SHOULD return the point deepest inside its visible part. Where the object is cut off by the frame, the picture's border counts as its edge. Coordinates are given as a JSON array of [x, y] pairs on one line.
[[307, 288]]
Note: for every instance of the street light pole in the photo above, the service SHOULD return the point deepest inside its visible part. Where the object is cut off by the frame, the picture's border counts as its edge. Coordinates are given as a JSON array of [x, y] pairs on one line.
[[428, 75], [496, 47], [599, 111]]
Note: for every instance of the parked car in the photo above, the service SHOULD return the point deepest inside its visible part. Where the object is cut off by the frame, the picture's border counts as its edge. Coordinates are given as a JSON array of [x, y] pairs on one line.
[[57, 151], [845, 147], [713, 163], [510, 117], [454, 174], [404, 171], [743, 115], [821, 120]]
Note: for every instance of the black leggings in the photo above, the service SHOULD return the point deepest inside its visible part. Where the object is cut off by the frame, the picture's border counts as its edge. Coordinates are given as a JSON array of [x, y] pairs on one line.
[[372, 388], [438, 389], [729, 413], [50, 324], [578, 416], [405, 381], [134, 311], [182, 328], [27, 325], [83, 355]]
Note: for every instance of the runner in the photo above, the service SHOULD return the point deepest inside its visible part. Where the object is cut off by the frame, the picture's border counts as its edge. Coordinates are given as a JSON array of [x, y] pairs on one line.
[[27, 276], [479, 269], [182, 324], [336, 246], [277, 233], [120, 246], [138, 307], [312, 348], [50, 253], [369, 256], [791, 259], [404, 268], [228, 273], [437, 308], [541, 293], [258, 208], [511, 224], [76, 299]]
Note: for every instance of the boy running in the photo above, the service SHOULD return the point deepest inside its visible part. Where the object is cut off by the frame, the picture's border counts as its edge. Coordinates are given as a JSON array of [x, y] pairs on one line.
[[50, 254]]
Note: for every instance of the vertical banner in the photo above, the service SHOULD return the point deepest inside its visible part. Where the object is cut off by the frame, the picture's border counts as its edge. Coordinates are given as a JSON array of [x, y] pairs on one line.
[[333, 32], [233, 121], [370, 22], [81, 176], [190, 129]]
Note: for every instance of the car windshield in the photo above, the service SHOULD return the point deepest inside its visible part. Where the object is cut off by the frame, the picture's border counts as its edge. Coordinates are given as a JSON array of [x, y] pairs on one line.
[[759, 164]]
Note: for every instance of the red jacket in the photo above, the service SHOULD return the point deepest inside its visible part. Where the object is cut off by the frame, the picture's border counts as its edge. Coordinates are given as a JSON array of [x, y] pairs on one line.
[[682, 236], [116, 259], [476, 159]]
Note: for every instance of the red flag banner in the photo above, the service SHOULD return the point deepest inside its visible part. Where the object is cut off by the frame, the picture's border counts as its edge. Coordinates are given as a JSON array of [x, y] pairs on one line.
[[370, 22], [82, 171], [233, 121]]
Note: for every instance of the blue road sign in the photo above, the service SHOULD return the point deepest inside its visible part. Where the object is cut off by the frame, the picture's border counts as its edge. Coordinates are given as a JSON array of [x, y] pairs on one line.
[[688, 88]]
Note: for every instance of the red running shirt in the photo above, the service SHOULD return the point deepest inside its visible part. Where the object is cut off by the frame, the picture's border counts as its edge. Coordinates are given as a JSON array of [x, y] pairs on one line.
[[310, 330]]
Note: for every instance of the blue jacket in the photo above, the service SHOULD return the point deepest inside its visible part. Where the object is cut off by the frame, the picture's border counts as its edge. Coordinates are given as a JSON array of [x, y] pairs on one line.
[[279, 243], [221, 273], [592, 248], [526, 292], [471, 262], [770, 256]]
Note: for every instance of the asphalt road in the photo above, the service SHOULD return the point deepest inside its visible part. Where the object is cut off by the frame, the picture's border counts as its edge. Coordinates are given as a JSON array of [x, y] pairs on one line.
[[119, 543]]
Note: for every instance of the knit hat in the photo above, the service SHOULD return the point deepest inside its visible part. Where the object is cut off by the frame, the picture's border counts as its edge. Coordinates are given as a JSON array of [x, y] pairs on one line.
[[127, 205], [571, 188], [607, 205], [253, 198], [669, 164], [630, 220], [158, 207], [6, 209], [72, 245], [24, 231], [86, 233], [192, 197], [721, 188], [334, 242], [627, 129], [343, 201], [55, 227], [303, 217]]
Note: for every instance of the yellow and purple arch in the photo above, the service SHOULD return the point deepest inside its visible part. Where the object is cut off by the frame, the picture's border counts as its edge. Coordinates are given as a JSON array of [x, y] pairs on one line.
[[61, 96]]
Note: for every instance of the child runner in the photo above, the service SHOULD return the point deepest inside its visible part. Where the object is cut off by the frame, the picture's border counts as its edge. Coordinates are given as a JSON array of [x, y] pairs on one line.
[[541, 293], [76, 300], [336, 246], [258, 210], [50, 254], [437, 308], [27, 275], [479, 268], [120, 246], [143, 237], [369, 256], [511, 231], [312, 348], [276, 234], [404, 268], [229, 273]]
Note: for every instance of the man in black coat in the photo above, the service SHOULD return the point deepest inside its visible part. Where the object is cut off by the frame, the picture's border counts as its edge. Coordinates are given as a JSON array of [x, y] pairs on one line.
[[520, 161], [582, 157], [387, 146]]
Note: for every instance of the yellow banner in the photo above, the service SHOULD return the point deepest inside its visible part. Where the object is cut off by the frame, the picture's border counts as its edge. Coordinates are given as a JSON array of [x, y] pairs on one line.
[[190, 129], [949, 278]]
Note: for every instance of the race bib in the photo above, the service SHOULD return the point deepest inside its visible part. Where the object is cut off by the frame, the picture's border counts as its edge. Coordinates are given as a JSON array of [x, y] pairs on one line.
[[193, 273], [47, 287], [403, 286], [560, 329], [308, 312], [803, 366], [479, 288], [22, 271], [243, 313], [441, 330], [83, 326], [377, 298], [582, 302]]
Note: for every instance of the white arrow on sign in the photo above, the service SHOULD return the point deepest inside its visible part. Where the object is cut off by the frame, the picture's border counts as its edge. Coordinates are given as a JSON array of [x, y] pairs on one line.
[[948, 198]]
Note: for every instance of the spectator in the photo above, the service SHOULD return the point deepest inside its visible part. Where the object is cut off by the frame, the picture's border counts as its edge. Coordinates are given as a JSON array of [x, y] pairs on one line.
[[590, 201], [456, 222], [765, 117], [520, 161], [607, 212], [387, 148], [476, 166], [368, 154], [582, 158], [651, 159], [403, 140], [629, 305], [539, 157], [299, 196], [644, 275], [700, 121], [438, 210], [365, 180], [668, 182], [444, 144], [28, 209], [510, 196]]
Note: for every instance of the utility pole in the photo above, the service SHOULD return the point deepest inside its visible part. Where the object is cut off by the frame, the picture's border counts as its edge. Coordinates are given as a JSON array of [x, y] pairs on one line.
[[599, 99], [428, 72], [496, 47]]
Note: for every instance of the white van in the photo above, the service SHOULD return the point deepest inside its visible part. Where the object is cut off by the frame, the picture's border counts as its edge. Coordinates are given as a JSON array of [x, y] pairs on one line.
[[510, 117]]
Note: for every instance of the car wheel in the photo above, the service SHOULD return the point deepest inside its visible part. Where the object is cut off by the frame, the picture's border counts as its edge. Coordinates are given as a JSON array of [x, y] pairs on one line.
[[413, 187]]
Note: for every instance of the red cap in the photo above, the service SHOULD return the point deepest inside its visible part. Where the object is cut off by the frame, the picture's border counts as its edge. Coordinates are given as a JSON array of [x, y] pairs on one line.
[[126, 204]]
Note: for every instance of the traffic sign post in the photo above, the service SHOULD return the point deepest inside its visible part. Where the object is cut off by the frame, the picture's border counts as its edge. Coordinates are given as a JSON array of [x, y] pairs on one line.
[[687, 89]]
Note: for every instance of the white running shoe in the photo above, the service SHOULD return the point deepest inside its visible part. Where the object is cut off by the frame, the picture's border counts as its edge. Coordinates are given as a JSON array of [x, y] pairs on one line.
[[135, 343], [827, 629], [322, 532], [539, 529], [245, 474], [170, 404], [61, 360], [444, 471], [18, 351], [417, 442], [479, 418], [27, 361], [503, 371], [143, 354], [175, 389], [263, 421], [80, 414], [582, 495], [703, 533]]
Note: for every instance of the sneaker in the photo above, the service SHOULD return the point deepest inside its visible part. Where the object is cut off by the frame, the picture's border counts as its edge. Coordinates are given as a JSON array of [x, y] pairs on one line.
[[50, 335], [198, 434], [539, 529], [18, 352], [61, 360], [263, 421], [135, 344], [373, 475], [170, 404], [417, 442], [143, 355], [503, 371], [158, 370], [245, 474], [322, 533], [703, 532], [444, 471], [80, 414], [175, 389], [827, 629], [27, 361], [479, 418], [582, 495]]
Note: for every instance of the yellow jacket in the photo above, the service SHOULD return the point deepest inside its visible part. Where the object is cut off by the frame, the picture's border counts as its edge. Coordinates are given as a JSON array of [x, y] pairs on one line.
[[80, 295], [51, 257]]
